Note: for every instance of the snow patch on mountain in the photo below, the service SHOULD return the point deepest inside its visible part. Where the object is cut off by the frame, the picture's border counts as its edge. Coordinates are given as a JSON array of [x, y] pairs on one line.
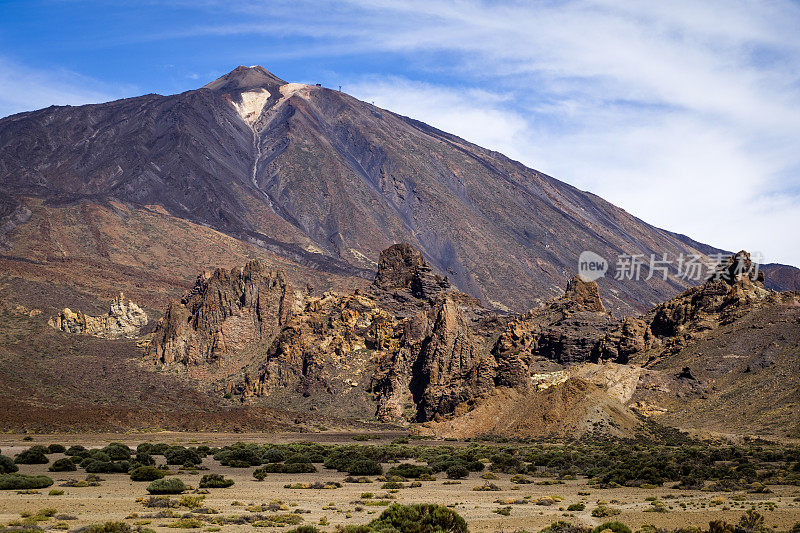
[[251, 105]]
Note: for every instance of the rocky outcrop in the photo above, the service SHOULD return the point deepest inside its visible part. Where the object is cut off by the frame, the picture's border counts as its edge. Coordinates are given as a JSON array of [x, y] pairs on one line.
[[124, 319], [452, 367], [402, 268], [566, 331], [323, 349], [225, 312], [410, 348], [584, 293]]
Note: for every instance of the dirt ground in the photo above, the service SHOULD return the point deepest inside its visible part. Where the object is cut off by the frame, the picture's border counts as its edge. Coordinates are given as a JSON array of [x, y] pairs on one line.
[[115, 498]]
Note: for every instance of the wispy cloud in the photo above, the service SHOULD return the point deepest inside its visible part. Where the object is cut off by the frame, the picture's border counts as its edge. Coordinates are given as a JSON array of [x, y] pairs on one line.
[[685, 113], [24, 89]]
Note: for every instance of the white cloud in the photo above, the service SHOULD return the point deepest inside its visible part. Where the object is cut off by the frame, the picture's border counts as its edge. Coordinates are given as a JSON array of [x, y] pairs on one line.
[[686, 114], [25, 89]]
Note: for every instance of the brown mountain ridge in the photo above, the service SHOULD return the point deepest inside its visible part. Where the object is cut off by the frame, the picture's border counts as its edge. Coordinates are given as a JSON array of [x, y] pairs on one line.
[[317, 177]]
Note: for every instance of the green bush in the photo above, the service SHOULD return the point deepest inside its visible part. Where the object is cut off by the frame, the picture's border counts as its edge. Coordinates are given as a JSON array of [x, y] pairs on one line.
[[7, 465], [75, 450], [304, 529], [32, 456], [145, 459], [241, 455], [23, 482], [107, 467], [576, 507], [63, 465], [171, 485], [457, 472], [215, 481], [419, 518], [616, 527], [365, 467], [409, 470], [152, 449], [108, 527], [147, 473], [178, 455], [117, 451], [280, 468], [565, 527], [56, 448], [273, 455]]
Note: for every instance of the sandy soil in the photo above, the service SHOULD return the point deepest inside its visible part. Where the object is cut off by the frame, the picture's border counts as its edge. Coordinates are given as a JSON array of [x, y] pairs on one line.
[[116, 498]]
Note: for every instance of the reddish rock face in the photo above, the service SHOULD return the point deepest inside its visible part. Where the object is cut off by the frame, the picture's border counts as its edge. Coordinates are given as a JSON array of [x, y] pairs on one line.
[[398, 265], [584, 293], [222, 314], [402, 267], [412, 355]]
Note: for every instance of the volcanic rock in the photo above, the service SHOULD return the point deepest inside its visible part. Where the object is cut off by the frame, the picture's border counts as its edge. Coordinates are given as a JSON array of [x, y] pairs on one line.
[[123, 320], [223, 313]]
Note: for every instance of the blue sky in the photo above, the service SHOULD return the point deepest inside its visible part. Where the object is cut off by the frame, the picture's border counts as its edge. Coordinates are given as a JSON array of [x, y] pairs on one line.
[[685, 113]]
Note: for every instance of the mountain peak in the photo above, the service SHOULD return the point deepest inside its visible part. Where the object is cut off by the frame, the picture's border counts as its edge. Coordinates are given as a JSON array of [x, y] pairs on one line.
[[243, 78]]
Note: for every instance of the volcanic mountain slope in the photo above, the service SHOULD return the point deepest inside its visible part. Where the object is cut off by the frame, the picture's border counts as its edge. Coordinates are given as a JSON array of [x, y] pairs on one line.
[[322, 179], [410, 348]]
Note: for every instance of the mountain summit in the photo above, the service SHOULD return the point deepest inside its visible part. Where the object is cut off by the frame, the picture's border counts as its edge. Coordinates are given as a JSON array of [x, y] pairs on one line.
[[314, 176], [245, 78]]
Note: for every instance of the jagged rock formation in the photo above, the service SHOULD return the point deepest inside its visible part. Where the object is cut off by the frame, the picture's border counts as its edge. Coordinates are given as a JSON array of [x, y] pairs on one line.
[[225, 312], [584, 293], [123, 320], [402, 268], [436, 355], [567, 330]]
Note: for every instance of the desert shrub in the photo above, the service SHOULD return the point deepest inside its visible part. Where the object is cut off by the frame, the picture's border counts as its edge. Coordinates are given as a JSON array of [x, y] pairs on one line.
[[152, 449], [75, 450], [93, 455], [273, 455], [147, 473], [23, 482], [419, 518], [7, 465], [299, 468], [108, 527], [601, 511], [56, 448], [240, 455], [409, 470], [304, 529], [280, 468], [457, 472], [145, 459], [117, 451], [215, 481], [576, 507], [63, 465], [796, 528], [752, 520], [107, 467], [565, 527], [506, 463], [365, 467], [178, 455], [32, 456], [616, 527], [171, 485]]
